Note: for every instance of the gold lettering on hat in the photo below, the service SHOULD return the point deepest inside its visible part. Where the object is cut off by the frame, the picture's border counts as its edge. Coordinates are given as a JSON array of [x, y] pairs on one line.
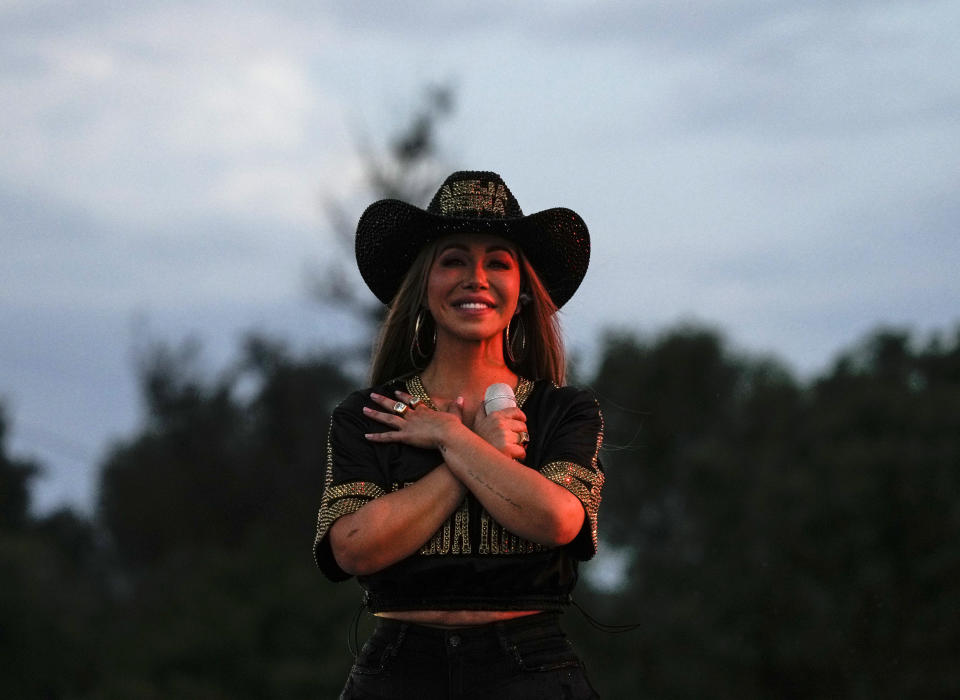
[[473, 196]]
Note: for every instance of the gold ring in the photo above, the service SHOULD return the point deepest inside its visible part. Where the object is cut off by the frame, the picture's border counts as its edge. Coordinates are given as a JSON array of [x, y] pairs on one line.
[[399, 407], [524, 437], [414, 401]]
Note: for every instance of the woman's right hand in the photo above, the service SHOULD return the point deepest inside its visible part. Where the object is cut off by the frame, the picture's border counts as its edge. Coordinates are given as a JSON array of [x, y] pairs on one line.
[[417, 425], [503, 429]]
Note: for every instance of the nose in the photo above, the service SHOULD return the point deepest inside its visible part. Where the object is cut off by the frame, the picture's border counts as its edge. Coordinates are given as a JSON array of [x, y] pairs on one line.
[[476, 277]]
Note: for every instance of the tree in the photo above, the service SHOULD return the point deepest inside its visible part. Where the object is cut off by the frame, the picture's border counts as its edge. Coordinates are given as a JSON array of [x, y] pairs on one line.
[[211, 509], [15, 476], [49, 594], [408, 168], [788, 541], [210, 468]]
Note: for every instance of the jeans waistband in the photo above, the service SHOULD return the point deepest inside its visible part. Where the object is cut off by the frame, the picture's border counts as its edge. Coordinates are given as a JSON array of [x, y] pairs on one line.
[[515, 627]]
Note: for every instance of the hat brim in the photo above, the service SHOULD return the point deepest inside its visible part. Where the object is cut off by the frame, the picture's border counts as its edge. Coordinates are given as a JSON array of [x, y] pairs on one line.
[[391, 233]]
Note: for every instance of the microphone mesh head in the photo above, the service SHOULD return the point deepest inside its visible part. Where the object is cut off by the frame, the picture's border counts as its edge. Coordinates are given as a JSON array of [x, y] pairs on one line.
[[498, 397]]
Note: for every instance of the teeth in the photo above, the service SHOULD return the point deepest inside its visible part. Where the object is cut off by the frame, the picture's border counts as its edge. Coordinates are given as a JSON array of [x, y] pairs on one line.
[[472, 305]]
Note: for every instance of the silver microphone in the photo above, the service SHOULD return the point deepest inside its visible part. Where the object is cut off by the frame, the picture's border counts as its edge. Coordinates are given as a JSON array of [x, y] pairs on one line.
[[498, 397]]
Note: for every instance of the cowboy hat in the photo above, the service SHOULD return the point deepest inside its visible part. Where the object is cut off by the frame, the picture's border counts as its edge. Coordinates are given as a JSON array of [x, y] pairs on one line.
[[391, 233]]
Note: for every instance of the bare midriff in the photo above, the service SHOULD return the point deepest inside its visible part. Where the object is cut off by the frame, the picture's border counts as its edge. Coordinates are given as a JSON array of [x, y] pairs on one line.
[[455, 618]]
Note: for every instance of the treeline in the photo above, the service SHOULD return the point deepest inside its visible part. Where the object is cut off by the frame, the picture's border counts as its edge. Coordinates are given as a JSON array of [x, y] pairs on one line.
[[773, 538]]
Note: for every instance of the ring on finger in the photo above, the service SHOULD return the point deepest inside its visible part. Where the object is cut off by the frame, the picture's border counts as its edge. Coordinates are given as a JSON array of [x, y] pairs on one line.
[[523, 438], [414, 401], [399, 407]]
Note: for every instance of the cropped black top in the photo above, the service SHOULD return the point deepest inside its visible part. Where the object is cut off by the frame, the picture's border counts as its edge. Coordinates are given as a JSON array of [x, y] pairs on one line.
[[471, 563]]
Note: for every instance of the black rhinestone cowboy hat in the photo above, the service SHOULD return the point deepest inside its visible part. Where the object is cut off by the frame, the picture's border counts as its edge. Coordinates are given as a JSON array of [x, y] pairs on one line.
[[391, 233]]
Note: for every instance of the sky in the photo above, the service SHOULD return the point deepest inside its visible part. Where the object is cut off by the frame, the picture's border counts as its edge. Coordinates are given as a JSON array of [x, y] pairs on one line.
[[785, 172]]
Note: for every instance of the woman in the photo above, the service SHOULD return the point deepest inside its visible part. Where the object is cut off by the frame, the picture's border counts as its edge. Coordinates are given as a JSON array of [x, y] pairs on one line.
[[464, 524]]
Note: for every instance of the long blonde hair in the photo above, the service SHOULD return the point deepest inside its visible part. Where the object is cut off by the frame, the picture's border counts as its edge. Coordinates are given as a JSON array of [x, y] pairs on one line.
[[399, 351]]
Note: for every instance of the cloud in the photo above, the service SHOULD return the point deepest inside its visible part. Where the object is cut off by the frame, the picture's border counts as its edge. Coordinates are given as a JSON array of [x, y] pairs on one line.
[[149, 111], [784, 170], [58, 255]]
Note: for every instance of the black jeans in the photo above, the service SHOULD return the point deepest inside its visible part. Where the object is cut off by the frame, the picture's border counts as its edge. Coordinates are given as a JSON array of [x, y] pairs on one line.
[[526, 658]]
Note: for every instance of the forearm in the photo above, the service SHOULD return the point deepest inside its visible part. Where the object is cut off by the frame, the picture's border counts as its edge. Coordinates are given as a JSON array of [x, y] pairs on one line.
[[519, 498], [396, 525]]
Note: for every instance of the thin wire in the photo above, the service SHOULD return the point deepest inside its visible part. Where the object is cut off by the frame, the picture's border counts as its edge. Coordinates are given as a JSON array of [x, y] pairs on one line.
[[605, 403], [602, 626], [353, 640]]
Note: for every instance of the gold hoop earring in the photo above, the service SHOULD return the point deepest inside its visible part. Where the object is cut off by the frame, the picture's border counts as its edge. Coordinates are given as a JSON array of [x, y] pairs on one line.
[[415, 348], [515, 356]]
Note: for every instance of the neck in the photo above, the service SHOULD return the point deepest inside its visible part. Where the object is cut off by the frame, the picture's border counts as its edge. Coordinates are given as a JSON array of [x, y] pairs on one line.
[[466, 368]]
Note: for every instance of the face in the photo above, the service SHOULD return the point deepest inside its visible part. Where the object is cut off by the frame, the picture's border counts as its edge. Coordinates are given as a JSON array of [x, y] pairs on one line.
[[473, 286]]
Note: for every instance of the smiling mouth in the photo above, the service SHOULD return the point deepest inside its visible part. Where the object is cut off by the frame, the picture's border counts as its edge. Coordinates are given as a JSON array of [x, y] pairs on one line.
[[472, 306]]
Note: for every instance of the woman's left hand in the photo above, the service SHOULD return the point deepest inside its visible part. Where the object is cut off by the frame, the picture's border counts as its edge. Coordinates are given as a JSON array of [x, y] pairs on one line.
[[504, 429], [416, 425]]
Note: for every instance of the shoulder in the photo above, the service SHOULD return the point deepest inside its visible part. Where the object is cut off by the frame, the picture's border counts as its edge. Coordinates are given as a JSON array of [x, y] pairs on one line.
[[348, 415], [356, 400], [564, 397], [549, 404]]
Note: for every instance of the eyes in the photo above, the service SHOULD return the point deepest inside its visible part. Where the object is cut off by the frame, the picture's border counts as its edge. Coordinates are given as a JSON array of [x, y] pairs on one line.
[[498, 261]]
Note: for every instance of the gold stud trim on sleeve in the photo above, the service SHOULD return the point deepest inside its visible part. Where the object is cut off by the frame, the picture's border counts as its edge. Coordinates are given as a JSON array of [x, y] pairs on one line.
[[341, 500], [361, 489], [572, 477], [329, 515]]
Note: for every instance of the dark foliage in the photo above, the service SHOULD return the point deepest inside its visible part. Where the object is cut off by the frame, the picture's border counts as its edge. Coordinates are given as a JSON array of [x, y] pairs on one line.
[[15, 475], [211, 467], [787, 541], [210, 511], [783, 539], [51, 594]]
